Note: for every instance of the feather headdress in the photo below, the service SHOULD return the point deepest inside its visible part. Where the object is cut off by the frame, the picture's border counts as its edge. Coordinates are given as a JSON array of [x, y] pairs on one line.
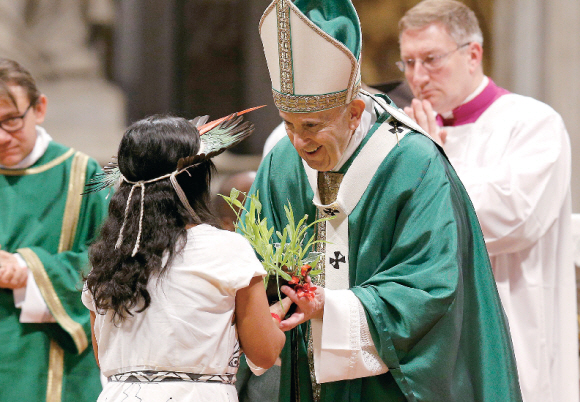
[[216, 136]]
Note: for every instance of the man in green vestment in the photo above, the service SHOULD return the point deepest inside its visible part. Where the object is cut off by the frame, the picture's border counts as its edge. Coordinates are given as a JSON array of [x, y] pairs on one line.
[[46, 226], [406, 308]]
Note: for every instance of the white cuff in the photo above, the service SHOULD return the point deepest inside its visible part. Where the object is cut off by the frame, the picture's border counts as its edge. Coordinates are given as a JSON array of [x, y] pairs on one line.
[[343, 347], [30, 300], [20, 293]]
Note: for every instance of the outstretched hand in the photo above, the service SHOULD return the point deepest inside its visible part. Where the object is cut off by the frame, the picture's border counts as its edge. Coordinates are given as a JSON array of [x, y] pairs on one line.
[[306, 307], [422, 112]]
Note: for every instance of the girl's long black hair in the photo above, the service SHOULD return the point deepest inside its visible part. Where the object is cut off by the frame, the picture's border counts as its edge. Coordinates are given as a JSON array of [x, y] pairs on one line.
[[150, 148]]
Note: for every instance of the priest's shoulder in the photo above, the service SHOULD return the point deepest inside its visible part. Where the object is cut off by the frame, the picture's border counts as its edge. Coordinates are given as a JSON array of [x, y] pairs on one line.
[[56, 150], [518, 106]]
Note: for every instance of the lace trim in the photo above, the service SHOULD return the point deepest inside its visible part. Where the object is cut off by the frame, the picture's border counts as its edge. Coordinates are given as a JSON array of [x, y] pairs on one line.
[[369, 352]]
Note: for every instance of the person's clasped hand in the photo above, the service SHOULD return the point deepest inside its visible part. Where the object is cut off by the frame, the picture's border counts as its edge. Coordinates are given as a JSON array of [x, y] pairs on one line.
[[12, 275], [422, 112]]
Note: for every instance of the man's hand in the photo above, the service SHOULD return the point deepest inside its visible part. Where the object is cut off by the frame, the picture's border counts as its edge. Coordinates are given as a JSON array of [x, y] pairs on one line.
[[306, 308], [12, 275], [422, 112]]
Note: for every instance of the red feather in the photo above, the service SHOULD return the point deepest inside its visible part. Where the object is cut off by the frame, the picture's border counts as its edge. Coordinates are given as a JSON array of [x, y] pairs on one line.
[[208, 126]]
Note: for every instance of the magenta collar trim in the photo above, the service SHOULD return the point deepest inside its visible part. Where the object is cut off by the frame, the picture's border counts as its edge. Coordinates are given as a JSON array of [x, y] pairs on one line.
[[469, 112]]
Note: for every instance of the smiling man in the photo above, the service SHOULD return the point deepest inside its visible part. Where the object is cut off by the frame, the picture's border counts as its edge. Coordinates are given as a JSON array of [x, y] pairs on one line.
[[512, 153], [45, 228], [406, 307]]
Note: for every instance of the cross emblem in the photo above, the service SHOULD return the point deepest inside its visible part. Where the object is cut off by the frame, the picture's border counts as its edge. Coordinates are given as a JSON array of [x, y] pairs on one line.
[[397, 127], [330, 211], [338, 258]]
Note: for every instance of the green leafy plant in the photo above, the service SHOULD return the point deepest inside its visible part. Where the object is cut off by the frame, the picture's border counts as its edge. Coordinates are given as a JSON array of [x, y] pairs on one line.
[[289, 259]]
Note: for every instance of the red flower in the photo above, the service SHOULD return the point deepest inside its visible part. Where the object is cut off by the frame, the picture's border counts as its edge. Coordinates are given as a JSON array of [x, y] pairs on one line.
[[305, 270], [305, 290], [294, 281]]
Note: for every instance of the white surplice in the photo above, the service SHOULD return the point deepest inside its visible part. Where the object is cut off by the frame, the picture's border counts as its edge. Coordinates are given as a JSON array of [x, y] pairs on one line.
[[514, 161]]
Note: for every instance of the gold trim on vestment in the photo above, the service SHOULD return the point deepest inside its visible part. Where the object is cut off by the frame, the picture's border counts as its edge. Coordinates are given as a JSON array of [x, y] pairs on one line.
[[55, 373], [73, 201], [38, 169], [49, 295], [328, 185]]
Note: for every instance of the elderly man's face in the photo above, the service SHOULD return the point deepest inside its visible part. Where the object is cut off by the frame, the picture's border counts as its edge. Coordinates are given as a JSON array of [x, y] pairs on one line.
[[446, 86], [322, 137], [15, 146]]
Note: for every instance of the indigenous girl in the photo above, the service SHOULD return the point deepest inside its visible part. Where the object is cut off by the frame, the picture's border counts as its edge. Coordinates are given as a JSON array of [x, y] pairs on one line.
[[170, 294]]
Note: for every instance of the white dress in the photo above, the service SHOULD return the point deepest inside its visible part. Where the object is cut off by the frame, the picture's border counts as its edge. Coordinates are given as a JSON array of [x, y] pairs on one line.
[[514, 161], [188, 328]]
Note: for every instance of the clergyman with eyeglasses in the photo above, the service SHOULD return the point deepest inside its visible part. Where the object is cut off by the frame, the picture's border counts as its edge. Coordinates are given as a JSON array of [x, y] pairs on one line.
[[512, 153], [45, 228]]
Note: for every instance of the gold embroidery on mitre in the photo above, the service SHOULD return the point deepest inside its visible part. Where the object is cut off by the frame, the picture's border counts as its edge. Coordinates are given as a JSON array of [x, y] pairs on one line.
[[308, 103], [284, 47]]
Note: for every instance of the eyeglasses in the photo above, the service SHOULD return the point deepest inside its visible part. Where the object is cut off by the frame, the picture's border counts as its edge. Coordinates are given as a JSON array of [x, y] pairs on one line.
[[431, 63], [15, 123]]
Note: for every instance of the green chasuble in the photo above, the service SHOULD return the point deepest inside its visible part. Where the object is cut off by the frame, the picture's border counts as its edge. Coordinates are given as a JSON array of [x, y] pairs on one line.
[[419, 266], [46, 220]]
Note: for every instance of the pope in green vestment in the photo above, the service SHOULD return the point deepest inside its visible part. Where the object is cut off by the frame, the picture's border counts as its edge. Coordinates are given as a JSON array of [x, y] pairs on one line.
[[49, 224], [419, 266], [407, 308]]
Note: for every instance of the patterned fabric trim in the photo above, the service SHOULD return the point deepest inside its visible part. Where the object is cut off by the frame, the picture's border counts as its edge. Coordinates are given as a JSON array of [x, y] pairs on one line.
[[38, 169], [166, 376], [311, 103], [52, 300]]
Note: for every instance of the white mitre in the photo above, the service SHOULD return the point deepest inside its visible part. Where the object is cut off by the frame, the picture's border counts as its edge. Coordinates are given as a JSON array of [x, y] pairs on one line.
[[312, 49]]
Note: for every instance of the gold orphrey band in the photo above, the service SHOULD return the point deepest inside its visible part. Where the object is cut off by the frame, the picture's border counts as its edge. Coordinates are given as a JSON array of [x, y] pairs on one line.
[[285, 47]]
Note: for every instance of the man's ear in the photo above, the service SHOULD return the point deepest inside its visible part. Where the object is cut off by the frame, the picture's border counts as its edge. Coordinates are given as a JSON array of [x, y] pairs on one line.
[[355, 112], [475, 55], [40, 108]]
